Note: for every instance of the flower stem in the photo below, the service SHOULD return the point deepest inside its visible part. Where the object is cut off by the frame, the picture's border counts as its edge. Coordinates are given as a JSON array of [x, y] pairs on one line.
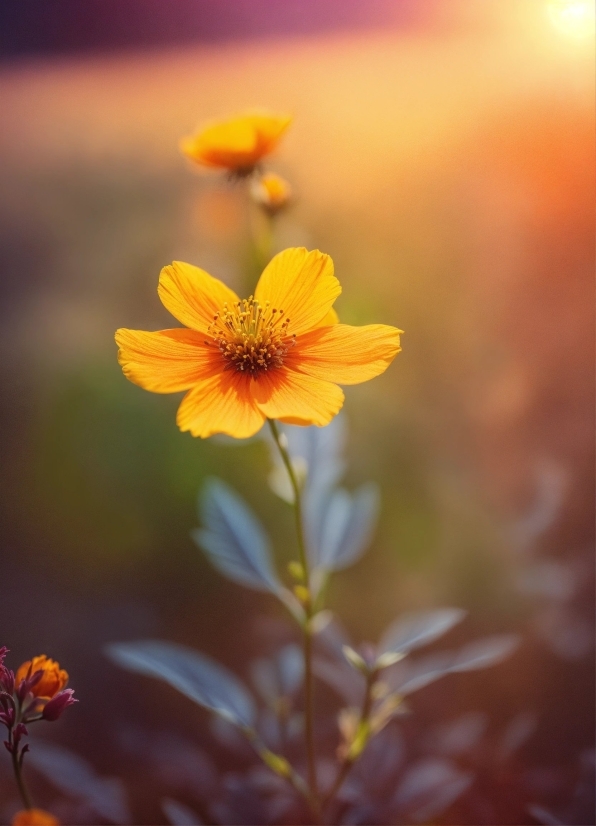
[[17, 765], [261, 231], [307, 602], [349, 758], [282, 768]]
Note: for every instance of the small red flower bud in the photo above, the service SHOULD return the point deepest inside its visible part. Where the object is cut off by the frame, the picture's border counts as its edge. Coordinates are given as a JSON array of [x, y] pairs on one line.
[[7, 717], [6, 680], [54, 708], [20, 731]]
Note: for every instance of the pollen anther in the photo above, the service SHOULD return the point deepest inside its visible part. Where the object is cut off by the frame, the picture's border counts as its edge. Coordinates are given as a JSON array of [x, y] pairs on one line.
[[251, 337]]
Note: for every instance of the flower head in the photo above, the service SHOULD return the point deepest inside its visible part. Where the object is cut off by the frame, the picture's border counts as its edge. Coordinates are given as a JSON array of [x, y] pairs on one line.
[[237, 144], [271, 192], [34, 817], [279, 354], [52, 678]]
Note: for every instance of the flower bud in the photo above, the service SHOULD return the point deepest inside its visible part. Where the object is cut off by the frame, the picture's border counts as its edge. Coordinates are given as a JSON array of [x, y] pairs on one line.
[[6, 680], [276, 763], [355, 660], [302, 594], [19, 731], [41, 677], [296, 571], [271, 192], [7, 717], [54, 707]]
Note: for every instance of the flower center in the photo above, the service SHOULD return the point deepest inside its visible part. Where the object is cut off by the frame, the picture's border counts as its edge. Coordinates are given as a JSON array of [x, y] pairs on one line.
[[252, 337]]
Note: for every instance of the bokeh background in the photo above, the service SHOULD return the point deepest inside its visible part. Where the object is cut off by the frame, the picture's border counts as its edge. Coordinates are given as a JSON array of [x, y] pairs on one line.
[[442, 152]]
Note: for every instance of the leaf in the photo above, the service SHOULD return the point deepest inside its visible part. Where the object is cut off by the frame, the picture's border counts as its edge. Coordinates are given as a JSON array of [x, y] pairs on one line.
[[348, 683], [76, 777], [543, 815], [178, 814], [281, 676], [291, 668], [354, 659], [193, 674], [412, 676], [381, 760], [415, 630], [458, 736], [233, 539], [320, 448], [180, 763], [429, 787], [317, 451], [485, 652], [279, 480], [347, 526], [516, 732]]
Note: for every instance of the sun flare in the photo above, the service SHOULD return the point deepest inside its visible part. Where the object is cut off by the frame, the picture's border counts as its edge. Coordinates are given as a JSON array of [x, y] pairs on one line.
[[575, 18]]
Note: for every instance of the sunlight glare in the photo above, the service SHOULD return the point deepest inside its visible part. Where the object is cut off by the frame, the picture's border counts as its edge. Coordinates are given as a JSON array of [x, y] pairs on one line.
[[573, 17]]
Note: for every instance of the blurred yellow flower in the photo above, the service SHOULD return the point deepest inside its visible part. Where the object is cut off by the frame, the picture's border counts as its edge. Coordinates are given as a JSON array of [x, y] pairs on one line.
[[280, 354], [53, 677], [271, 192], [34, 817], [237, 144]]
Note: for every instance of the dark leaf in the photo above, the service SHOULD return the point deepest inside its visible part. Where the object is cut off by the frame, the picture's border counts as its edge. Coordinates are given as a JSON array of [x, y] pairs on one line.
[[458, 736], [233, 539], [76, 777], [195, 675], [281, 676], [178, 814], [485, 652], [415, 630], [429, 787], [544, 816], [347, 526]]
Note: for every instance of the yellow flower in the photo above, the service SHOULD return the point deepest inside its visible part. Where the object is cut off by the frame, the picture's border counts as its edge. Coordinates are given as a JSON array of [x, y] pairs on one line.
[[237, 144], [34, 817], [271, 191], [53, 677], [278, 355]]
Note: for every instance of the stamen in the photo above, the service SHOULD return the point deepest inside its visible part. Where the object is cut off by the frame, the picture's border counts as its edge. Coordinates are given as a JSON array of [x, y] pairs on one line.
[[252, 337]]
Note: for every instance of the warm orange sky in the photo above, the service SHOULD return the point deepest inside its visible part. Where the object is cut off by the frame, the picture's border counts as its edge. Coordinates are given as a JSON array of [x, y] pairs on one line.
[[365, 105]]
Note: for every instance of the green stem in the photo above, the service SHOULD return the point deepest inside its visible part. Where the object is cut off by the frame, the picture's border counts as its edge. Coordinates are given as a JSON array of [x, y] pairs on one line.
[[261, 230], [349, 760], [282, 767], [307, 642], [18, 773], [285, 457]]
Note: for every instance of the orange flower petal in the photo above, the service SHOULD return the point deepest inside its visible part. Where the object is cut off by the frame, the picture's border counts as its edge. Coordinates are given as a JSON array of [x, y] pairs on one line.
[[344, 354], [238, 143], [34, 817], [291, 396], [294, 420], [302, 284], [192, 295], [331, 318], [166, 361], [220, 404], [53, 678]]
